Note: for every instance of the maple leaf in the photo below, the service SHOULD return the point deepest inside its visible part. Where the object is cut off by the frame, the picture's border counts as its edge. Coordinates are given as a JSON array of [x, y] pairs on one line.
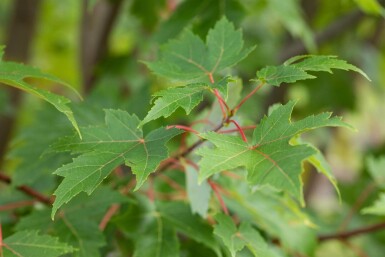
[[105, 148], [235, 239], [189, 57], [78, 221], [297, 68], [377, 208], [269, 159], [14, 74], [187, 97], [29, 243]]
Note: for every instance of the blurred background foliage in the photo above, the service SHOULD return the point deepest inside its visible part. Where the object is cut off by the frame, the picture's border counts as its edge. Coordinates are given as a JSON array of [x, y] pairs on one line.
[[97, 46]]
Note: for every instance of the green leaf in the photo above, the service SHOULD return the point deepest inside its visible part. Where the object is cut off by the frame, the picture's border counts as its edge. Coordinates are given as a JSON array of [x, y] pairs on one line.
[[30, 146], [157, 241], [30, 244], [371, 7], [15, 74], [200, 15], [189, 57], [198, 194], [171, 99], [320, 163], [277, 214], [236, 239], [297, 68], [378, 208], [193, 226], [376, 167], [106, 147], [187, 97], [269, 158], [78, 222], [289, 13]]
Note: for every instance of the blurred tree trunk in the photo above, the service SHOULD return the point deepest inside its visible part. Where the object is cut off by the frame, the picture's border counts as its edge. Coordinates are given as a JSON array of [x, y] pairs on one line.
[[96, 27], [20, 34]]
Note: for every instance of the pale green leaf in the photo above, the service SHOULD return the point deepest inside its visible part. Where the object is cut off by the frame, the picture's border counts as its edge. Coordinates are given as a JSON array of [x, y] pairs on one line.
[[235, 239], [15, 75], [376, 168], [268, 158], [189, 57], [378, 208], [30, 244], [288, 222], [106, 147], [320, 163], [297, 68], [371, 7], [289, 13], [198, 194]]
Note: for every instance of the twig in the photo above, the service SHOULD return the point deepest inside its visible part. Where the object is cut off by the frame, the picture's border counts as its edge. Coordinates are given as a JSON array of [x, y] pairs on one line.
[[11, 206], [356, 206], [107, 217], [28, 190], [352, 233]]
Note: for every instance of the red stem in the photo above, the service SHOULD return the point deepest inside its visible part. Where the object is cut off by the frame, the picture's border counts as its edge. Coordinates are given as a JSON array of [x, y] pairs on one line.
[[211, 77], [224, 107], [219, 197], [107, 217], [247, 97], [185, 128], [236, 130], [11, 206], [240, 130]]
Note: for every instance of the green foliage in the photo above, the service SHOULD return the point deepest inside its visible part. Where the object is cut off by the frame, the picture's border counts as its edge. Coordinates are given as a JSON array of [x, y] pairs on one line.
[[29, 243], [236, 239], [297, 68], [106, 147], [15, 74], [269, 158], [235, 180], [189, 57]]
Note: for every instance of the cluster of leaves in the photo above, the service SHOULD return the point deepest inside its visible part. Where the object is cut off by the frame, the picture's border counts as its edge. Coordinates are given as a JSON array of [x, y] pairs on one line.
[[228, 175]]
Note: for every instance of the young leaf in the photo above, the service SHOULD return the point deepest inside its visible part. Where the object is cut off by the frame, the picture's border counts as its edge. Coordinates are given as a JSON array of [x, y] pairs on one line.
[[14, 74], [269, 158], [30, 244], [236, 239], [189, 57], [378, 208], [297, 68], [171, 99], [376, 167], [105, 148], [186, 97]]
